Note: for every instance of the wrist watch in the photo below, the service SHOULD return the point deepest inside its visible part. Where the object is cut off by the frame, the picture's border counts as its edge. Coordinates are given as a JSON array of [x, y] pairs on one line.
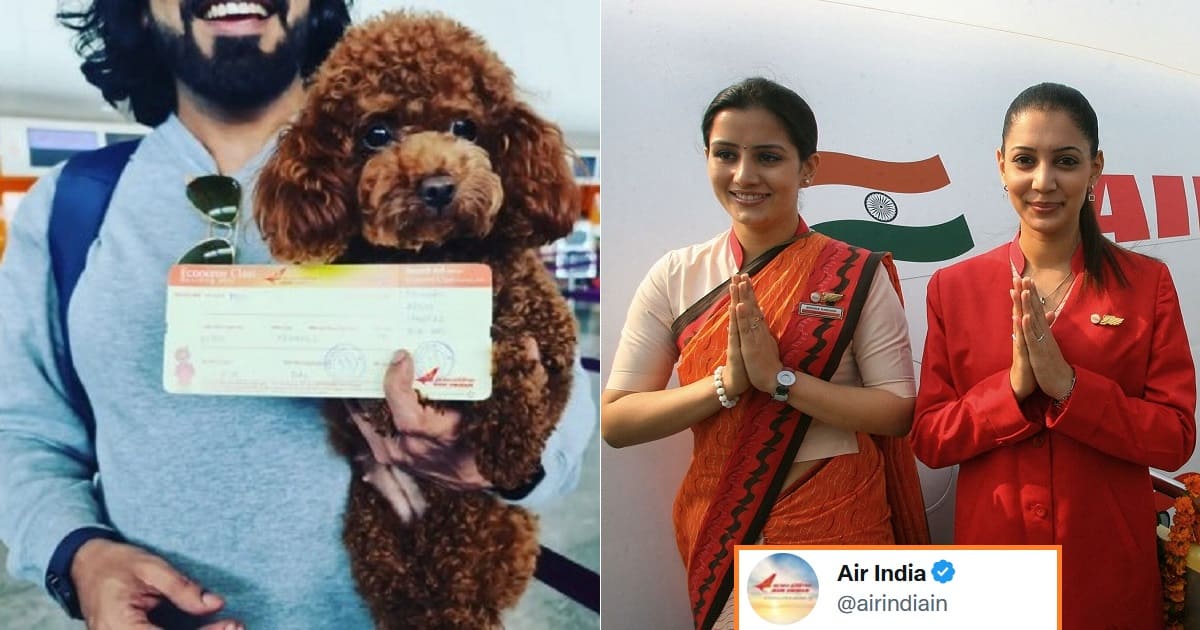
[[783, 382]]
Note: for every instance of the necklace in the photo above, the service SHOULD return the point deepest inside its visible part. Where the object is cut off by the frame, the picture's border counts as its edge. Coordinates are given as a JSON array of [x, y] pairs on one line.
[[1061, 303], [1043, 298]]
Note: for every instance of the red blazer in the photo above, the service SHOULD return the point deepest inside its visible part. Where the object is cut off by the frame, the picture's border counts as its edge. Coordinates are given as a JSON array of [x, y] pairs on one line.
[[1031, 474]]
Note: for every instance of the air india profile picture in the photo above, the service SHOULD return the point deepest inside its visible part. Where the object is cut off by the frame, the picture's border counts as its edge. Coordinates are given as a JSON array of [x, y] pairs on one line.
[[782, 588]]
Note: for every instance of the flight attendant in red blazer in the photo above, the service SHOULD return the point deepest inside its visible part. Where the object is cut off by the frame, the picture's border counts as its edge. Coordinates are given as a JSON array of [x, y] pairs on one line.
[[1056, 370]]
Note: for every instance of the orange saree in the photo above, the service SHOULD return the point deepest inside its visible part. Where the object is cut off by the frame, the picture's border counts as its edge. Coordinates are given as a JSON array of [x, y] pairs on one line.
[[732, 492]]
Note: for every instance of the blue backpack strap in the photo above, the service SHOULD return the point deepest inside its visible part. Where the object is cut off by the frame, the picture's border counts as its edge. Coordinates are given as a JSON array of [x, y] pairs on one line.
[[81, 198]]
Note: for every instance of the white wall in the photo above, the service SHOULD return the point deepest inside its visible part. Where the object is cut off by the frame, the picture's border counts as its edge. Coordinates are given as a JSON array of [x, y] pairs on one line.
[[884, 85]]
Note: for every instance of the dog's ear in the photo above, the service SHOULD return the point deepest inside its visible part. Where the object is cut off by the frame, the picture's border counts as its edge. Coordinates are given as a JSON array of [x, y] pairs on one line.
[[541, 200], [305, 197]]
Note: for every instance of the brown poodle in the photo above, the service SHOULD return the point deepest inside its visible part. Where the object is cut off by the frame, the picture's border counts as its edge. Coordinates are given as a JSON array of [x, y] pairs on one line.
[[413, 147]]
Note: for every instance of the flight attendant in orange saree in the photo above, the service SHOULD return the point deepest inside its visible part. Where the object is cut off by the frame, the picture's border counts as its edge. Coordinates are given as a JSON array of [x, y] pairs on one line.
[[793, 363], [1056, 370]]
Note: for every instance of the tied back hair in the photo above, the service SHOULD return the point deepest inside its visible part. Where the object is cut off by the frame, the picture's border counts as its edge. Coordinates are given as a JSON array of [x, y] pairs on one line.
[[1100, 255], [787, 106]]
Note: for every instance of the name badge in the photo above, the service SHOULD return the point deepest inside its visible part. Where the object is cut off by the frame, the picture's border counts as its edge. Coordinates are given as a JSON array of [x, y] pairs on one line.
[[327, 331], [821, 310]]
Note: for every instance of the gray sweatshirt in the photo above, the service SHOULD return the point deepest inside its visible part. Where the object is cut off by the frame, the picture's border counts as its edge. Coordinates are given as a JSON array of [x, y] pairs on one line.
[[243, 494]]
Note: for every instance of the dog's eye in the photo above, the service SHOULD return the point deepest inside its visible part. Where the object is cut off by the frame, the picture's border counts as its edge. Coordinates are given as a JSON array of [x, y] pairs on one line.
[[463, 128], [377, 136]]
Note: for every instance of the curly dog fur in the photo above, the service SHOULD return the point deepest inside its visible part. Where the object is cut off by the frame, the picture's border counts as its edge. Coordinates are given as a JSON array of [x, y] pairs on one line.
[[413, 147]]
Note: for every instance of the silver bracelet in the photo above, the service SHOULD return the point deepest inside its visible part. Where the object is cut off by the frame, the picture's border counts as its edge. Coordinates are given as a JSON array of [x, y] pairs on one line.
[[1059, 403], [725, 402]]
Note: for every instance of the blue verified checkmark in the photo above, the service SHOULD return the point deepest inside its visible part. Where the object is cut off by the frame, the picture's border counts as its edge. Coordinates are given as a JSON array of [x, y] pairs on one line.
[[943, 571]]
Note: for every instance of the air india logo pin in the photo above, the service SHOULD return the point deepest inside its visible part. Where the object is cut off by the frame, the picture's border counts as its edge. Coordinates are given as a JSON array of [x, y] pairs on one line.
[[1106, 320], [825, 297]]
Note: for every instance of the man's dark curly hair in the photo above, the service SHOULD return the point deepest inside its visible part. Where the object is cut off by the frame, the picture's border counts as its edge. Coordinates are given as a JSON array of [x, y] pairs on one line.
[[119, 52]]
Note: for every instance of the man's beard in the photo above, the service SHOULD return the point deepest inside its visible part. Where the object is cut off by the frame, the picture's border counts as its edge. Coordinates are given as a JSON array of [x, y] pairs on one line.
[[239, 76]]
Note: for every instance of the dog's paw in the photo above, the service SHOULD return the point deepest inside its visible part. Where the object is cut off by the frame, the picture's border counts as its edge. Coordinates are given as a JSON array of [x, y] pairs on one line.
[[399, 488]]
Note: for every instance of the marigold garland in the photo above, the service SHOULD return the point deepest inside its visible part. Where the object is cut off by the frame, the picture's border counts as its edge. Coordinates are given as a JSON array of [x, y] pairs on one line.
[[1185, 532]]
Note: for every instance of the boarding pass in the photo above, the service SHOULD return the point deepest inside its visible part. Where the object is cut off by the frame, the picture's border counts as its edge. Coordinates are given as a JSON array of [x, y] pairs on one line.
[[327, 331]]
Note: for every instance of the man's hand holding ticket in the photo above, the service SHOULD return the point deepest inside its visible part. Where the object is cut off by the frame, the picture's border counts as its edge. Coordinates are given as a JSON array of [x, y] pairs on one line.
[[327, 331]]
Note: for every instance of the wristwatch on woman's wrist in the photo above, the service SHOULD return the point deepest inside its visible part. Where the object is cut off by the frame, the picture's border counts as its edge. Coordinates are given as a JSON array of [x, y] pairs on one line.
[[783, 383]]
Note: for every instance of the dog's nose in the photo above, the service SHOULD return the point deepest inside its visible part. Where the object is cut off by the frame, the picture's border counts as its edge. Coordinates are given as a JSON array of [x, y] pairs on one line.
[[438, 191]]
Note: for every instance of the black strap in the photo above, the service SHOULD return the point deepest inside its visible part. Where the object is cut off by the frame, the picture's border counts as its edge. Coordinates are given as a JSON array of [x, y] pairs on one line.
[[569, 578]]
